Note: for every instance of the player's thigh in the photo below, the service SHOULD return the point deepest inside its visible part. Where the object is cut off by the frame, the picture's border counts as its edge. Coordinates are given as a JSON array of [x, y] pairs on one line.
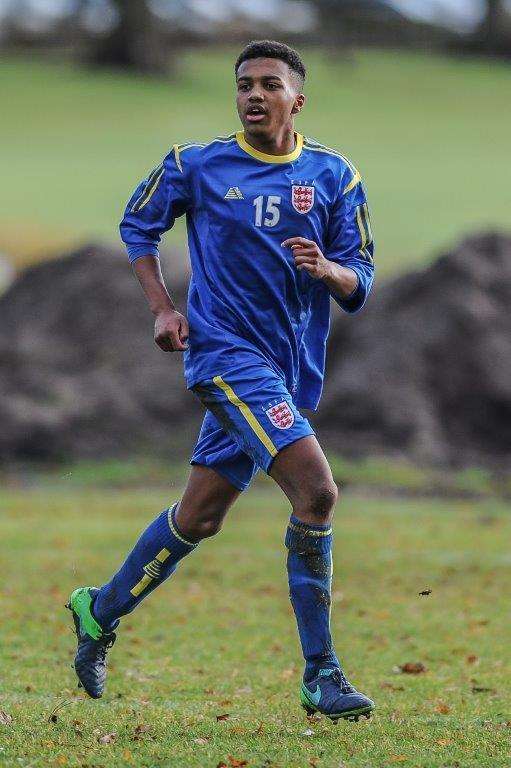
[[220, 472], [303, 472], [255, 410]]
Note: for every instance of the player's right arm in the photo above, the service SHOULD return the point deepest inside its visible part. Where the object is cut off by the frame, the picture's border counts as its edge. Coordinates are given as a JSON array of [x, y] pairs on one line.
[[170, 326], [151, 211]]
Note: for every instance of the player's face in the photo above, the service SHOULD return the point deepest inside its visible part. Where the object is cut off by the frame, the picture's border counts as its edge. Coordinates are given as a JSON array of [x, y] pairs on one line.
[[268, 97]]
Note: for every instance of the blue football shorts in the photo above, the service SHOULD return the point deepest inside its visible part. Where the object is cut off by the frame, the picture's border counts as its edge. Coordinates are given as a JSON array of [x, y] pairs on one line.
[[250, 418]]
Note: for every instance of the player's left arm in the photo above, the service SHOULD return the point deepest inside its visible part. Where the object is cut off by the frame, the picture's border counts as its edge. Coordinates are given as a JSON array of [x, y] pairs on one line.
[[346, 265]]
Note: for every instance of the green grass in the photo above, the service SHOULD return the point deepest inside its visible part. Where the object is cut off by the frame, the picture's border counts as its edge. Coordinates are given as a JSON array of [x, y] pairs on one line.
[[219, 638], [374, 474], [429, 134]]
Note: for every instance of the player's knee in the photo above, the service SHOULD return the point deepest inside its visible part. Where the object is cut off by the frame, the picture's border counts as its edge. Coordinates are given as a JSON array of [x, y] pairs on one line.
[[210, 527], [206, 527], [323, 499], [319, 500]]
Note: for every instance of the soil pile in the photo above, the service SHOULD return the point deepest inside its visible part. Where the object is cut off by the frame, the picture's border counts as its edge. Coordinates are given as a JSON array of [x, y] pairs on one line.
[[425, 370], [79, 373]]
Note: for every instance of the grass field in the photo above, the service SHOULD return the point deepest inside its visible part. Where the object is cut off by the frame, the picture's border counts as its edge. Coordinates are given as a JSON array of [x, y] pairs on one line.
[[206, 672], [429, 134]]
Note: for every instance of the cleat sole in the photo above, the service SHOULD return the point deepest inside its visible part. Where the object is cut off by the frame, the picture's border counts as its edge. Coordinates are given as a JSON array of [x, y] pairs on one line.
[[353, 716]]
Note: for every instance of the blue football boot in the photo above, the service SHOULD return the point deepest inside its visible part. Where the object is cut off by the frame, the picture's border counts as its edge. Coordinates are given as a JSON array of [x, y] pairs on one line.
[[332, 695], [93, 642]]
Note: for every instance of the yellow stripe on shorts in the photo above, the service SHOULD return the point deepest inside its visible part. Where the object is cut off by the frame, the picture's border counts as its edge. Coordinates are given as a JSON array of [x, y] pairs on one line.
[[247, 413]]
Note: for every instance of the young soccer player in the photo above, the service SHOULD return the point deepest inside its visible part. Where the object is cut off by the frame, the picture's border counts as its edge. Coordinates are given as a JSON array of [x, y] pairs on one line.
[[277, 224]]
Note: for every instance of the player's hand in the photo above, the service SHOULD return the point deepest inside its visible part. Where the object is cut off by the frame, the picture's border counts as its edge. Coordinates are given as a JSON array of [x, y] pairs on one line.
[[308, 255], [171, 331]]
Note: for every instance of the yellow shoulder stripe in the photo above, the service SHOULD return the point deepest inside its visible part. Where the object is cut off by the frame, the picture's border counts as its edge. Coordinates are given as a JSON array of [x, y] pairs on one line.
[[353, 183], [149, 189], [178, 148], [329, 151], [247, 413], [315, 147]]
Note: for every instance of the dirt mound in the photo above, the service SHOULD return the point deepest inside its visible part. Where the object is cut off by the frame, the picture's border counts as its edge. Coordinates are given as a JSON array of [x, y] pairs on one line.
[[424, 371], [79, 373]]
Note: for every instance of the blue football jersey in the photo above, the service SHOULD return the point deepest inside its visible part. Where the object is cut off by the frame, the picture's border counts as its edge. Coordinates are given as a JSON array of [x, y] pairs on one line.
[[247, 302]]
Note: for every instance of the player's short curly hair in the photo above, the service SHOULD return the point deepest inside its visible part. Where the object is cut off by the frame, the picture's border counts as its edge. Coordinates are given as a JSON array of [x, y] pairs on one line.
[[271, 49]]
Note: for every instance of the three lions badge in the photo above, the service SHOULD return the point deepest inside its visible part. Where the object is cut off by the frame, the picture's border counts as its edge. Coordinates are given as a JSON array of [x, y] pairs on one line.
[[280, 415], [302, 197]]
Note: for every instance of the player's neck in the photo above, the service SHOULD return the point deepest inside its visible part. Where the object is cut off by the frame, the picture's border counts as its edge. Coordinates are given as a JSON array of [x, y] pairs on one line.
[[281, 144]]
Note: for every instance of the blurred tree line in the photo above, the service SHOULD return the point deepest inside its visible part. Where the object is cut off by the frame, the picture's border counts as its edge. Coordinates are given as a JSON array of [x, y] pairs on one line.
[[137, 40], [494, 34], [378, 22], [134, 42]]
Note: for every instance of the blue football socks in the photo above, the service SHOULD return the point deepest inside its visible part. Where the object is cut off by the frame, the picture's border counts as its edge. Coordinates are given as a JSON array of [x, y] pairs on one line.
[[154, 559], [309, 567]]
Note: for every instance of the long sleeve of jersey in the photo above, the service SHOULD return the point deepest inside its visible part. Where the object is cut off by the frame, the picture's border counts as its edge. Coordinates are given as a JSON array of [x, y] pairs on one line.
[[154, 206], [349, 240]]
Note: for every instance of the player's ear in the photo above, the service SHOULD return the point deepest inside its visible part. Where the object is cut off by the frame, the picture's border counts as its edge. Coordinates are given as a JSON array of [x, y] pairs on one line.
[[299, 102]]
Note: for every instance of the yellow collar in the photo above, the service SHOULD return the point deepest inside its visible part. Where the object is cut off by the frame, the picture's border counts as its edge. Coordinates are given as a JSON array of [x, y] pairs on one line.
[[265, 158]]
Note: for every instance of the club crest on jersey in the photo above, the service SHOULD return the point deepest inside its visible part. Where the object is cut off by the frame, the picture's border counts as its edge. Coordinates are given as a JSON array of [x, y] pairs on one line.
[[302, 196], [280, 415]]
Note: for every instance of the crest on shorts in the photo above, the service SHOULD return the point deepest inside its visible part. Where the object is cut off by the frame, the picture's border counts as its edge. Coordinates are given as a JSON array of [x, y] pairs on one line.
[[302, 196], [280, 415]]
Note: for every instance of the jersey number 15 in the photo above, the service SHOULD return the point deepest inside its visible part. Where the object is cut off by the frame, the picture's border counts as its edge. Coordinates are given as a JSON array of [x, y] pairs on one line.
[[272, 210]]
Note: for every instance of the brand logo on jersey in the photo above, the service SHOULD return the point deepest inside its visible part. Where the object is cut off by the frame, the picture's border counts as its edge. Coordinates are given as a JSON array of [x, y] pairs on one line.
[[233, 193], [302, 196], [280, 415]]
